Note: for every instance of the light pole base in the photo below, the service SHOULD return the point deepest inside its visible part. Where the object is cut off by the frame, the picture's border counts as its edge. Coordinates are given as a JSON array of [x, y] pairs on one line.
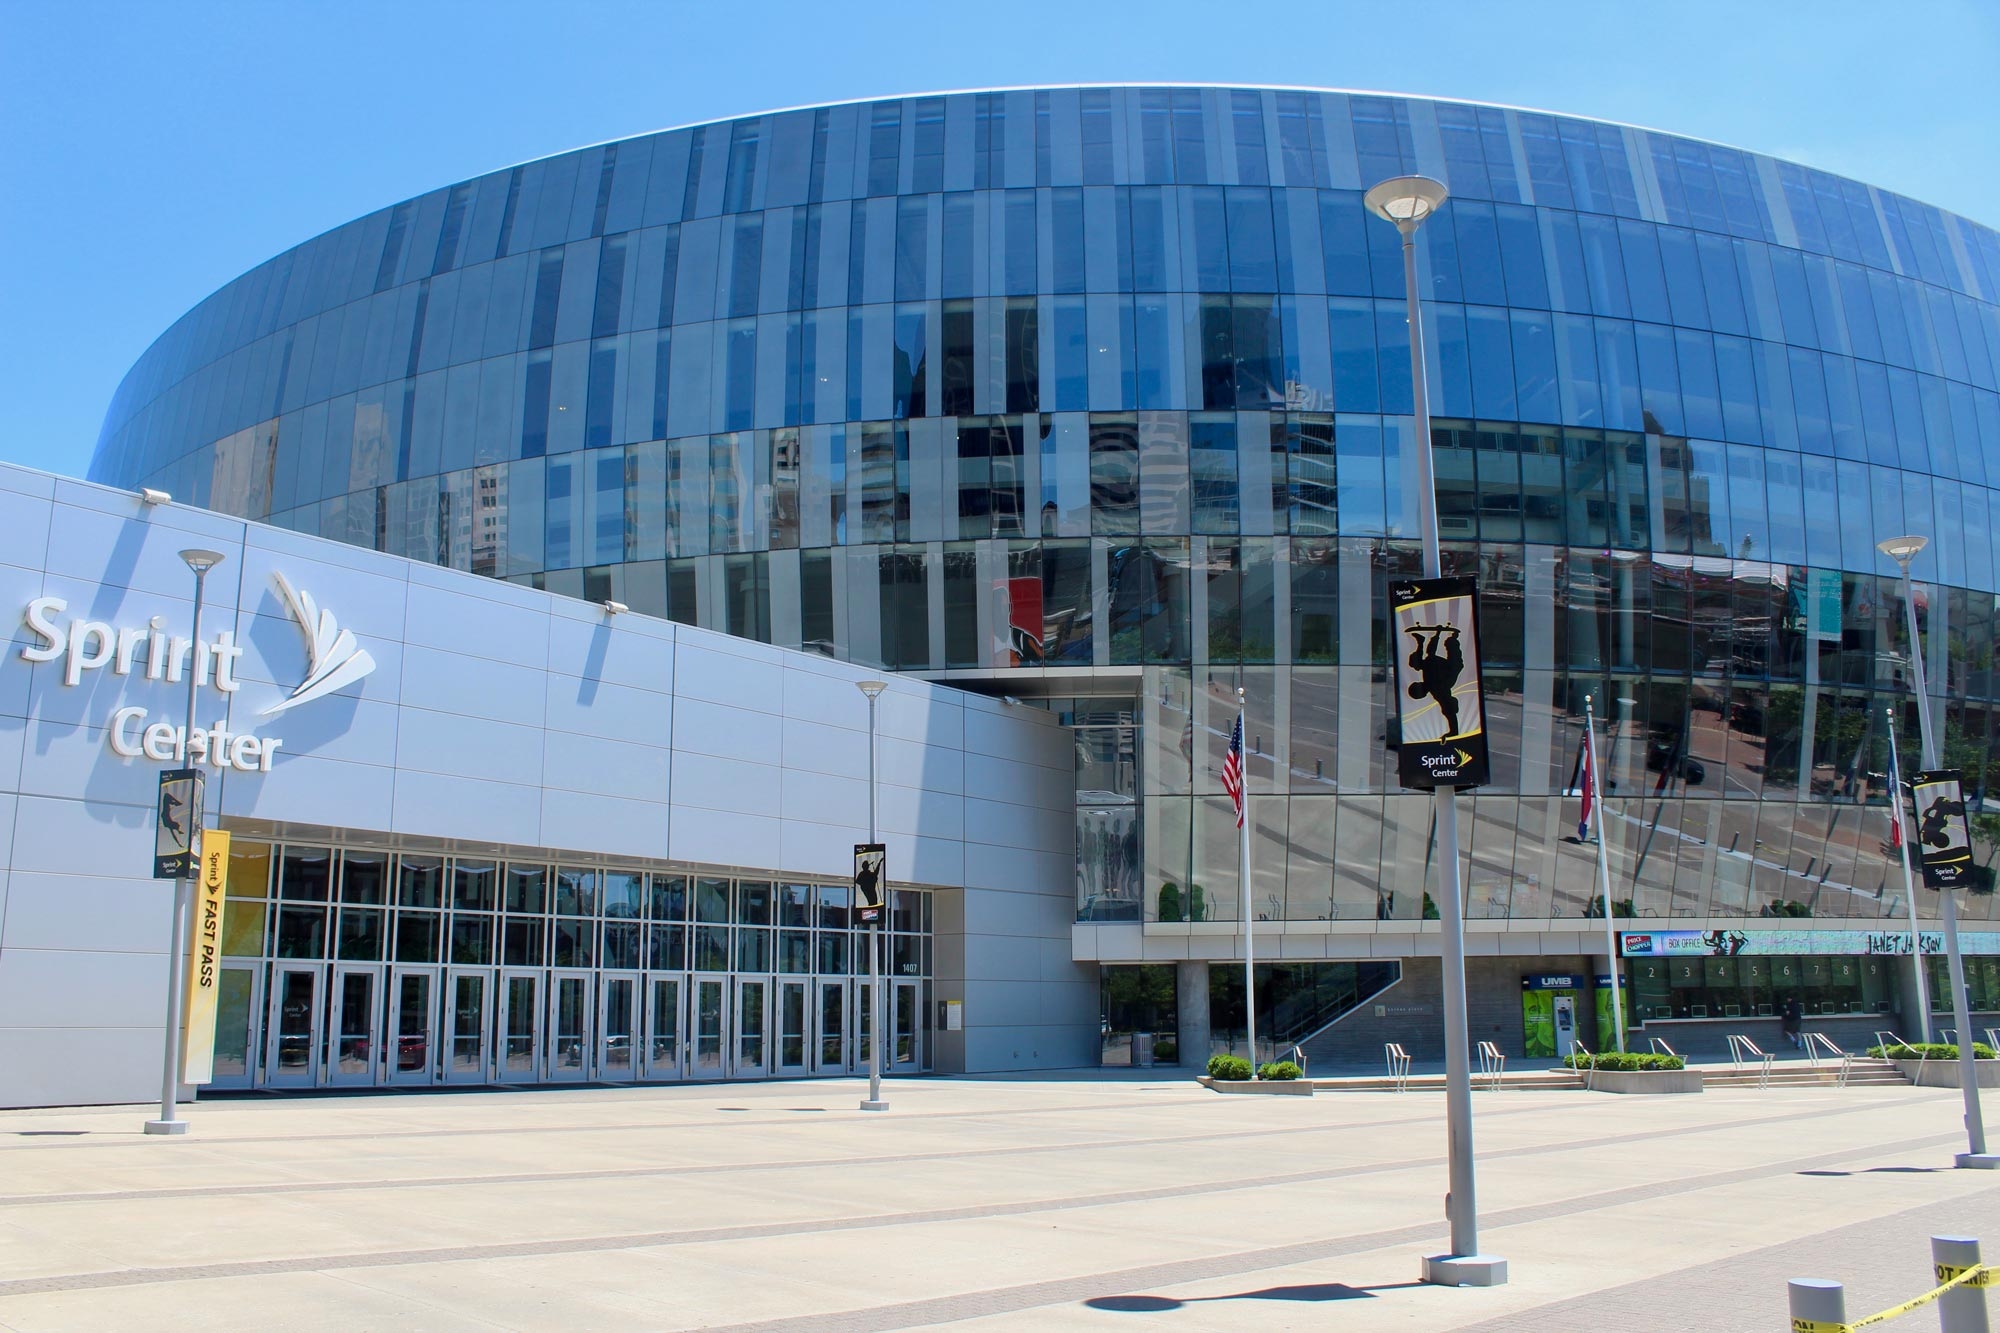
[[166, 1126], [1977, 1161], [869, 1104], [1465, 1270]]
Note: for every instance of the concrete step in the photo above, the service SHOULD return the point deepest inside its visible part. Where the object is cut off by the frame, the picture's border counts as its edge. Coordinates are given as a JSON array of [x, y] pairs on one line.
[[1528, 1080], [1789, 1074]]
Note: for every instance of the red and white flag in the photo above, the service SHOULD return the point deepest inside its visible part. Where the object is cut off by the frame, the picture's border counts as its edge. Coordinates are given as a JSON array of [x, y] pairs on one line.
[[1589, 789], [1232, 769]]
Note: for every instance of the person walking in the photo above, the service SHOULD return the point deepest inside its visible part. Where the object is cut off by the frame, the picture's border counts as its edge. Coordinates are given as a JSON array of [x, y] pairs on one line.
[[1794, 1019]]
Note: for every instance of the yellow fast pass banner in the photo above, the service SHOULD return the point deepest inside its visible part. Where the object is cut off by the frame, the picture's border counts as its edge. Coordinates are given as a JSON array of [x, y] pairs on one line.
[[205, 959]]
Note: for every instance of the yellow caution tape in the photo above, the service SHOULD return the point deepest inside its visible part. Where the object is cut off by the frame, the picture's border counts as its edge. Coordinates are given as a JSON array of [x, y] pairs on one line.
[[1949, 1275]]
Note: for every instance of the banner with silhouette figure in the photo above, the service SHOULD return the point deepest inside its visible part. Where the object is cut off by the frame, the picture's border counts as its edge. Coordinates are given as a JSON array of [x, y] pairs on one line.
[[1440, 700], [1944, 847]]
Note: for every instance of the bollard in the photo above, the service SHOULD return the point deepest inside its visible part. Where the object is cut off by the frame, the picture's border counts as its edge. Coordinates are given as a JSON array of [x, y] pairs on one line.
[[1815, 1302], [1962, 1309]]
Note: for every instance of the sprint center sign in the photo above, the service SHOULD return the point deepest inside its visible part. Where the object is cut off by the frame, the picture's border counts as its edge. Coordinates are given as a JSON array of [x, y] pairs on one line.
[[82, 647]]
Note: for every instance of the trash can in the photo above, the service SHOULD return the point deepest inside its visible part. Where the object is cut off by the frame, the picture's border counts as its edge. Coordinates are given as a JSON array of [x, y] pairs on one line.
[[1142, 1050]]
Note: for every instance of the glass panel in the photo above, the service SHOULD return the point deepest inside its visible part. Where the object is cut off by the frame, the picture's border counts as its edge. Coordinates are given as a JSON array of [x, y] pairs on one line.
[[413, 1022], [832, 1026], [355, 1023], [306, 874], [666, 1023], [420, 881], [468, 1025], [792, 1025], [234, 991], [708, 1028], [616, 1049], [295, 1018], [750, 1025], [520, 1040], [571, 1024]]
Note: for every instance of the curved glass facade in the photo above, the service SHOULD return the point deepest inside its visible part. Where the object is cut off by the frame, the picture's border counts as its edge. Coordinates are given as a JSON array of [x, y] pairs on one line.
[[1110, 386]]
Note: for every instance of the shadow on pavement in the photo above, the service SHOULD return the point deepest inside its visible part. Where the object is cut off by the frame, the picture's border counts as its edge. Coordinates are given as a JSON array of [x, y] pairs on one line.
[[1320, 1291]]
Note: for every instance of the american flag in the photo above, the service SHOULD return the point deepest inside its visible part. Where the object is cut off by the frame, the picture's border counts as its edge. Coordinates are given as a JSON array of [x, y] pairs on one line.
[[1232, 769]]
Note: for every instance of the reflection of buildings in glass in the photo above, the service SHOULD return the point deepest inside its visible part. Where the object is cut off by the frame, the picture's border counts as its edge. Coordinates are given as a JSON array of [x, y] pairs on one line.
[[1094, 390]]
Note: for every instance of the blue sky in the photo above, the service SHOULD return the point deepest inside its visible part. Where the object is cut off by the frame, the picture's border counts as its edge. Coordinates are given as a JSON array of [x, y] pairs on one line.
[[153, 151]]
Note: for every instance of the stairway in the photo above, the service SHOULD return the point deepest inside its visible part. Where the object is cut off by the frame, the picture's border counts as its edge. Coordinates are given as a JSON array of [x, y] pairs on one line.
[[1801, 1074]]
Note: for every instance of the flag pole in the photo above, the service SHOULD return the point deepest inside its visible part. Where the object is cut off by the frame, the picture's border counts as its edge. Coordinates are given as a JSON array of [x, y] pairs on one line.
[[1603, 875], [1249, 903], [1909, 881]]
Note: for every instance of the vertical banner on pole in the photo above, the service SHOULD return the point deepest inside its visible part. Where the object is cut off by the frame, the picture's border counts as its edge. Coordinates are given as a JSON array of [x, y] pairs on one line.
[[869, 865], [1944, 846], [177, 824], [1440, 700], [204, 970]]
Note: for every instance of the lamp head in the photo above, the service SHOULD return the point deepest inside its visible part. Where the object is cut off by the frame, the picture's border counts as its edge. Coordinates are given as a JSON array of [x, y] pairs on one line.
[[1405, 200], [201, 561], [1902, 549], [153, 495], [612, 608], [871, 688]]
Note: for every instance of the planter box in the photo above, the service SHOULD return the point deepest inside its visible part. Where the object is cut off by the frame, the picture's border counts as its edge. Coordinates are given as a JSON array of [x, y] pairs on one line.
[[1944, 1073], [1280, 1087], [1645, 1081]]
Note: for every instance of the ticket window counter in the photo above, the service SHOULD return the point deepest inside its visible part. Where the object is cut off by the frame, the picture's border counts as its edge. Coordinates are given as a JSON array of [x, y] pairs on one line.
[[1550, 1002]]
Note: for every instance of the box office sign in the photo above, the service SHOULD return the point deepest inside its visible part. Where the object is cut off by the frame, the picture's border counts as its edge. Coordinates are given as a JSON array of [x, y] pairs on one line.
[[1771, 943], [1440, 701], [1944, 846]]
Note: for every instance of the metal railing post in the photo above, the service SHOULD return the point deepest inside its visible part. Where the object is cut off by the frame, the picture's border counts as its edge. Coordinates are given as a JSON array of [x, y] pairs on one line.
[[1815, 1300], [1962, 1309]]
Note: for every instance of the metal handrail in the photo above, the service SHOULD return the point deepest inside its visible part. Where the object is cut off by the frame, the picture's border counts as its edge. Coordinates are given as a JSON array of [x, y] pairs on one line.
[[1923, 1056], [1819, 1041], [1660, 1047], [1742, 1049], [1399, 1064], [1492, 1064], [1577, 1048]]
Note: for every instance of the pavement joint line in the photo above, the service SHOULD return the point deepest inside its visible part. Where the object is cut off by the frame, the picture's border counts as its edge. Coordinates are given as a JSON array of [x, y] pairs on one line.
[[529, 1177], [1066, 1291], [754, 1231], [615, 1173], [1537, 1318], [136, 1140]]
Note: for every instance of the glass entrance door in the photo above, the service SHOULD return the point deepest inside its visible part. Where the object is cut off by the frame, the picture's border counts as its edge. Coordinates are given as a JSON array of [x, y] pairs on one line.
[[753, 1021], [235, 1026], [907, 1051], [833, 1028], [520, 1027], [617, 1026], [662, 1051], [569, 1027], [292, 1030], [354, 1043], [864, 1021], [413, 1025], [711, 1027], [469, 1007], [794, 1038]]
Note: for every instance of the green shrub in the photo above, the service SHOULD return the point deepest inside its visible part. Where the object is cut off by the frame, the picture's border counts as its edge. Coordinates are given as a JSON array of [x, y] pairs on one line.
[[1197, 903], [1229, 1068], [1936, 1050], [1170, 901], [1626, 1062], [1279, 1070], [1166, 1052]]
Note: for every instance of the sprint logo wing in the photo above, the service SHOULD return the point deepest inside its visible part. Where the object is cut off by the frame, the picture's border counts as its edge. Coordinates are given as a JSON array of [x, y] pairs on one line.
[[333, 658]]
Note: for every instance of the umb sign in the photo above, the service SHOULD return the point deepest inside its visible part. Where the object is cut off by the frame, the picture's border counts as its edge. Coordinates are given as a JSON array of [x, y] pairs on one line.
[[1944, 848], [1440, 703], [177, 824], [870, 863]]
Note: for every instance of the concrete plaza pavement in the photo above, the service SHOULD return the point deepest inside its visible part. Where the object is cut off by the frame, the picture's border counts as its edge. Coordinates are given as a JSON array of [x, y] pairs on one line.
[[1097, 1202]]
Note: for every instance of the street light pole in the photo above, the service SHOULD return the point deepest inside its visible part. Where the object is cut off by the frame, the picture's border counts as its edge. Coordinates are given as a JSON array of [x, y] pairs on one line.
[[873, 689], [1903, 550], [200, 561], [1407, 201], [1909, 883]]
